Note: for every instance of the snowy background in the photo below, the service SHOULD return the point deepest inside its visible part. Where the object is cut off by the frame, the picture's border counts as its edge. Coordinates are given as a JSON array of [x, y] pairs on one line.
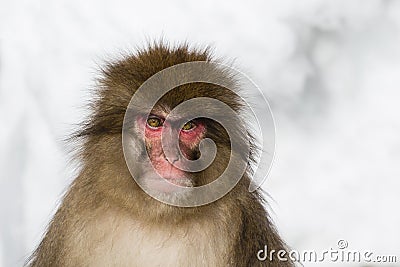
[[330, 69]]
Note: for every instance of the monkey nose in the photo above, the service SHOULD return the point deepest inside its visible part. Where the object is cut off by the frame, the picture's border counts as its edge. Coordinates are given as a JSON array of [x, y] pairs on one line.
[[172, 159], [175, 159]]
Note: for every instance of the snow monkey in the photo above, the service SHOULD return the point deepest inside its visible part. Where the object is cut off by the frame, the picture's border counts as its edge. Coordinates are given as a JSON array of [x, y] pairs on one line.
[[106, 218]]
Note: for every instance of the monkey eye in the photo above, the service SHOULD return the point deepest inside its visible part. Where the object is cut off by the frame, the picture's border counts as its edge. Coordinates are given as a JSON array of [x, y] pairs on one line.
[[154, 122], [188, 126]]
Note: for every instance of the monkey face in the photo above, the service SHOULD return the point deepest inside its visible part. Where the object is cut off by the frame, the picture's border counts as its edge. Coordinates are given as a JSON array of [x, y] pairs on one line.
[[172, 169]]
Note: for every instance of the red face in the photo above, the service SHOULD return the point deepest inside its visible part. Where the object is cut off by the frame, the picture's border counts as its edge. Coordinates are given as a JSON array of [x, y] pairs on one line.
[[190, 135]]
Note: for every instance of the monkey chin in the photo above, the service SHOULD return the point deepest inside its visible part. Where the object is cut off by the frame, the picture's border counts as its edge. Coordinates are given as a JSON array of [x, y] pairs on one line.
[[167, 187]]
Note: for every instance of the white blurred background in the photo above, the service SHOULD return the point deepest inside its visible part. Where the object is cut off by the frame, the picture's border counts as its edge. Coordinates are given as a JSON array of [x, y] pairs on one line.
[[330, 69]]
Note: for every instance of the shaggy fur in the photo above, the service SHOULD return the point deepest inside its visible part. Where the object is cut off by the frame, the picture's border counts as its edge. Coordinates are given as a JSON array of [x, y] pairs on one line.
[[105, 219]]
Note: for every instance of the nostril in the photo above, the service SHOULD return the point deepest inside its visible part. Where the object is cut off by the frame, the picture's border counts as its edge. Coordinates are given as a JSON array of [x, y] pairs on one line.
[[175, 160]]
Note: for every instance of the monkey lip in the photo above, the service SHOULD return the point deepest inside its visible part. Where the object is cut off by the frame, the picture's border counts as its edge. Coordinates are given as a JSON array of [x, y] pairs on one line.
[[172, 174], [165, 177]]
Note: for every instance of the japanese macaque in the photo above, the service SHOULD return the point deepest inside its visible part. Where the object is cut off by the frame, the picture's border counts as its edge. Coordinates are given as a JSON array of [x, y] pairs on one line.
[[107, 219]]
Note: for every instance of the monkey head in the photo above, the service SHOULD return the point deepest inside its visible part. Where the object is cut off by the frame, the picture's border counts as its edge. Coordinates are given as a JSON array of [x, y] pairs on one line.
[[166, 146]]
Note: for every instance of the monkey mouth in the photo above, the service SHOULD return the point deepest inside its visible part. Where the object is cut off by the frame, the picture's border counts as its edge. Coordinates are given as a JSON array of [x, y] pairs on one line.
[[173, 174], [164, 177]]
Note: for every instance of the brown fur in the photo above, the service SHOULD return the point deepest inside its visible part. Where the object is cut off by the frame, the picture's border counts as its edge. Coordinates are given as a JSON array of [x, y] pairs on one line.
[[104, 202]]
